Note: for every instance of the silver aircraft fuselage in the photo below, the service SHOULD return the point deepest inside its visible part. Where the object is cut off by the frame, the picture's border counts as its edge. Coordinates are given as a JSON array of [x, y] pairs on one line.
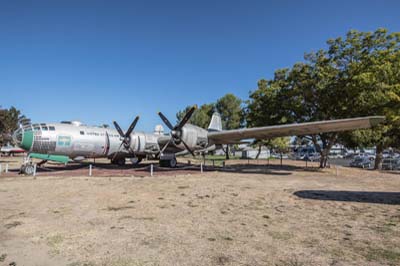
[[80, 141]]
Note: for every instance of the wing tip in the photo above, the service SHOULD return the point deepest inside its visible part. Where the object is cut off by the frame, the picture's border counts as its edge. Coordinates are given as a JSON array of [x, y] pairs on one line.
[[376, 120]]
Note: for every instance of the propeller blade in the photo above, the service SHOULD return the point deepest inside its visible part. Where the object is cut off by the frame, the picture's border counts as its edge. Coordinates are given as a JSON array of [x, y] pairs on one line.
[[166, 121], [186, 117], [187, 147], [117, 127], [131, 127], [165, 146], [116, 153]]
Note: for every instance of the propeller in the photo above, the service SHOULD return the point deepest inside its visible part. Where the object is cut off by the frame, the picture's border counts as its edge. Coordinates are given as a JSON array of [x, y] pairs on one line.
[[126, 137], [176, 131]]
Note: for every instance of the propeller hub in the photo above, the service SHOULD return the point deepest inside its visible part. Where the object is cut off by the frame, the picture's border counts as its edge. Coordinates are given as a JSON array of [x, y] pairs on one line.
[[177, 131], [126, 137]]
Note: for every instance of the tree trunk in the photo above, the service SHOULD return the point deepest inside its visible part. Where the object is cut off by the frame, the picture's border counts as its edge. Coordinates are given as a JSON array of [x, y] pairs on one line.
[[327, 144], [227, 152], [323, 159], [378, 157], [259, 151]]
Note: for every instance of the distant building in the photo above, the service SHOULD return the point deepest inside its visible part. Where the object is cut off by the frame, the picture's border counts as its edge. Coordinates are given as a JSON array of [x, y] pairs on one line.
[[251, 153]]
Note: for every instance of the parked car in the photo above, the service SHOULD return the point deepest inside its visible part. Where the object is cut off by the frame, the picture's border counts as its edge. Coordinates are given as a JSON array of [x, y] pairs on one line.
[[312, 157], [390, 163], [10, 150], [333, 155], [278, 155], [361, 162]]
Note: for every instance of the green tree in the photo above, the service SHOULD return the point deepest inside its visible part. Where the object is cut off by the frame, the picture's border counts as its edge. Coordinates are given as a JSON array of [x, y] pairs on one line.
[[230, 108], [201, 116], [355, 76], [371, 81], [9, 122], [279, 145]]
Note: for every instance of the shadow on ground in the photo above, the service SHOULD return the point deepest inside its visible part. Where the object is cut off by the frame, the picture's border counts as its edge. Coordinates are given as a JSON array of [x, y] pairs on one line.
[[144, 167], [392, 198]]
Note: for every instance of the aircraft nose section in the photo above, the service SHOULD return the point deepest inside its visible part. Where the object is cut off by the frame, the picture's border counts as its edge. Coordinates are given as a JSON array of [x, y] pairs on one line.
[[17, 136], [23, 138]]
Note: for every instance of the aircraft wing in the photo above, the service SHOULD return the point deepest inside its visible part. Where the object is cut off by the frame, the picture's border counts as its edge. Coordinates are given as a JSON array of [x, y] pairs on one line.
[[309, 128]]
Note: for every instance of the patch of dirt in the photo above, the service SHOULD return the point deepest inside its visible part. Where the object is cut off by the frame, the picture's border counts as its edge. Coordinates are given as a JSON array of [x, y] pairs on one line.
[[252, 214]]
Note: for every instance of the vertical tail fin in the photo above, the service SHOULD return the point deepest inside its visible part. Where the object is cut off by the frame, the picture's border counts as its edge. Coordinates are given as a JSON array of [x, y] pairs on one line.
[[215, 124]]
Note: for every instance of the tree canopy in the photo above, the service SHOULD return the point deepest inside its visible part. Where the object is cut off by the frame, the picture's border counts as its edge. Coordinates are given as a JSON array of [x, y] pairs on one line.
[[355, 76], [229, 107], [9, 121]]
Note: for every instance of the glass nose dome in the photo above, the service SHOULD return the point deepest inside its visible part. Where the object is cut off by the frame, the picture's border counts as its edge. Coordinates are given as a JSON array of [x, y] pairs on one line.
[[17, 136]]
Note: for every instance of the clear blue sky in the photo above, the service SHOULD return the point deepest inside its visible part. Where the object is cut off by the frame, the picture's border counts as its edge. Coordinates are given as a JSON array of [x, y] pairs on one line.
[[97, 61]]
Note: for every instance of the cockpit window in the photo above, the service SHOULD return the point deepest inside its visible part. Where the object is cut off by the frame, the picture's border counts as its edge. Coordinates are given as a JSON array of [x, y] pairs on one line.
[[27, 128], [51, 128], [36, 128]]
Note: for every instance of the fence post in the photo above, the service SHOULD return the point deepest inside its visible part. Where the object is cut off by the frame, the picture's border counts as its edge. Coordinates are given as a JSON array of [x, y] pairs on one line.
[[0, 169], [90, 169], [34, 170], [151, 170], [201, 167], [6, 168]]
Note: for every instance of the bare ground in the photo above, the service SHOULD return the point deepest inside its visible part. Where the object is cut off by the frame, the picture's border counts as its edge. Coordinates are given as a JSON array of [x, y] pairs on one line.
[[245, 215]]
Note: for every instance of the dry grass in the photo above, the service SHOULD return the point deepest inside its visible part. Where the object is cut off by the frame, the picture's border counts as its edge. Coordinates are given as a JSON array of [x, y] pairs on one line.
[[253, 216]]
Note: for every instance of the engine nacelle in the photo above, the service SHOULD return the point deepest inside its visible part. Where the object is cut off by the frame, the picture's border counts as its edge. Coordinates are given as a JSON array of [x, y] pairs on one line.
[[142, 143], [195, 137]]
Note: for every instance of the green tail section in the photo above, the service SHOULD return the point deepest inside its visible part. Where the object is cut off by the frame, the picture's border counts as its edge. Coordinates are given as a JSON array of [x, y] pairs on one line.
[[49, 157]]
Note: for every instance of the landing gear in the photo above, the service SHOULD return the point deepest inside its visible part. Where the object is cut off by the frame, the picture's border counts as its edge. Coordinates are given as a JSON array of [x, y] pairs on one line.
[[27, 169], [119, 161], [168, 160]]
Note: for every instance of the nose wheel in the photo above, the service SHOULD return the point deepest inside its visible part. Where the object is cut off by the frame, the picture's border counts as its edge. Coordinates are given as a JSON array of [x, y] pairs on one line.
[[27, 169]]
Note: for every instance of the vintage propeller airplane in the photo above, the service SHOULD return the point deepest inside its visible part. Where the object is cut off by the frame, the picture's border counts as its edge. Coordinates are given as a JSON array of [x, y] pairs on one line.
[[71, 140]]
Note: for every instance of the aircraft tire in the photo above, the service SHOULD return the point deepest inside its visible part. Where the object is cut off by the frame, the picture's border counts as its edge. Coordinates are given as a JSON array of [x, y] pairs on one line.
[[119, 161], [27, 169], [172, 163], [168, 163]]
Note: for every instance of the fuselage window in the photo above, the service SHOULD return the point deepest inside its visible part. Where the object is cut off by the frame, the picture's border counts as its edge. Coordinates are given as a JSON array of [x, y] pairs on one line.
[[51, 128], [45, 128], [36, 128], [82, 133]]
